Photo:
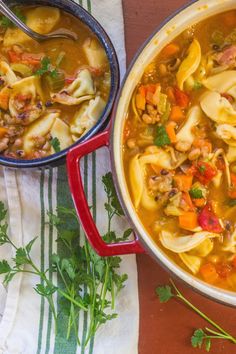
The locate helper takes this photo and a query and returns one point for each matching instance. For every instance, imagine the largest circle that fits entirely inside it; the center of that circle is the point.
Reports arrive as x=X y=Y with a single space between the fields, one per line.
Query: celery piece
x=55 y=83
x=22 y=69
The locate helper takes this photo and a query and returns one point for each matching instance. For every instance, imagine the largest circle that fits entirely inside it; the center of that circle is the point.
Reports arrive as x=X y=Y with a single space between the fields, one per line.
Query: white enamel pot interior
x=191 y=14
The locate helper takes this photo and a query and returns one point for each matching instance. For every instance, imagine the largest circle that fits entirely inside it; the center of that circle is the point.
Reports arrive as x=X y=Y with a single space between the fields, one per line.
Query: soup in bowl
x=180 y=150
x=173 y=150
x=55 y=93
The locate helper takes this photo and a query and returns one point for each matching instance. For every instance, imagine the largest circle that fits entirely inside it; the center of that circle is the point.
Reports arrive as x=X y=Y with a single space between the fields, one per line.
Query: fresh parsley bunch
x=88 y=282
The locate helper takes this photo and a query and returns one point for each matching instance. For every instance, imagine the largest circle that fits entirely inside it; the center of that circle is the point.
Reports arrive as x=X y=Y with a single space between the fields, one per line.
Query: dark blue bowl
x=85 y=17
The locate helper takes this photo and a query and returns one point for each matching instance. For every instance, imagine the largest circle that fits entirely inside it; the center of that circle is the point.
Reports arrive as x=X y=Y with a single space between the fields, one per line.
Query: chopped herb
x=164 y=293
x=232 y=202
x=200 y=336
x=196 y=193
x=47 y=68
x=5 y=22
x=162 y=138
x=55 y=143
x=202 y=169
x=197 y=85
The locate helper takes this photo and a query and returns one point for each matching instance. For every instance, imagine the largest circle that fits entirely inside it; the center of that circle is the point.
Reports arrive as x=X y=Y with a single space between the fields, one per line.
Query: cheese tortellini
x=82 y=89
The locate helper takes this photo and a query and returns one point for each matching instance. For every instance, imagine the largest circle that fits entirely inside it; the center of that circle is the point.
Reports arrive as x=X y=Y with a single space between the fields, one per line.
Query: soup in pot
x=179 y=150
x=53 y=92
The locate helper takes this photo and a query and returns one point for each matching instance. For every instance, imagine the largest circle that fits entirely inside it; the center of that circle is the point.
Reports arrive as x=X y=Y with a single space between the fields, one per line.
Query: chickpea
x=183 y=146
x=18 y=143
x=147 y=119
x=151 y=119
x=4 y=144
x=194 y=154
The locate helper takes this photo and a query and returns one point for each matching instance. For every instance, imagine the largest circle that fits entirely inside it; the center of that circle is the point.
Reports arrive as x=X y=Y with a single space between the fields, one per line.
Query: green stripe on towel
x=50 y=242
x=42 y=179
x=62 y=345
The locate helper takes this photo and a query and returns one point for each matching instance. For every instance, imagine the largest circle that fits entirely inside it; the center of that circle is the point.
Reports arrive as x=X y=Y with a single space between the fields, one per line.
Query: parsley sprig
x=162 y=137
x=200 y=337
x=6 y=23
x=46 y=67
x=87 y=282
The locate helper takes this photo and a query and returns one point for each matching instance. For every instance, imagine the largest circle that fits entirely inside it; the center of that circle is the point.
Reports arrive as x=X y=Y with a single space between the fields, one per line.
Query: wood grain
x=166 y=329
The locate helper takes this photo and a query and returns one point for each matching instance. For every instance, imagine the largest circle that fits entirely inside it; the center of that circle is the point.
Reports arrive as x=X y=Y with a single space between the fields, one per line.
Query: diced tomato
x=14 y=57
x=223 y=269
x=208 y=220
x=205 y=172
x=191 y=170
x=69 y=79
x=32 y=59
x=228 y=97
x=182 y=99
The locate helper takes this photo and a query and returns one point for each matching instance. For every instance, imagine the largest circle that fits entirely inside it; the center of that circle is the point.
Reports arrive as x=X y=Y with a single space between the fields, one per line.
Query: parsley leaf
x=47 y=68
x=4 y=267
x=164 y=293
x=162 y=138
x=197 y=338
x=5 y=22
x=196 y=193
x=202 y=169
x=113 y=204
x=55 y=143
x=197 y=85
x=232 y=202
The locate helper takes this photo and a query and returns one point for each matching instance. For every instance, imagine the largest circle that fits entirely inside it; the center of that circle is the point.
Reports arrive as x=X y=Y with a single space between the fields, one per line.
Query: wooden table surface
x=167 y=329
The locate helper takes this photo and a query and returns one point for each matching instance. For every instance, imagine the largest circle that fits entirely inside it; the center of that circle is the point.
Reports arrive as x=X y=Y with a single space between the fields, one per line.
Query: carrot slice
x=3 y=131
x=170 y=129
x=183 y=182
x=140 y=101
x=186 y=197
x=209 y=273
x=170 y=49
x=4 y=100
x=188 y=220
x=177 y=114
x=200 y=202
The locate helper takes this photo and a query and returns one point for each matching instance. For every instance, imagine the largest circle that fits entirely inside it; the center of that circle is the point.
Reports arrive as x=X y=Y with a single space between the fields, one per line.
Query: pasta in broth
x=180 y=150
x=51 y=93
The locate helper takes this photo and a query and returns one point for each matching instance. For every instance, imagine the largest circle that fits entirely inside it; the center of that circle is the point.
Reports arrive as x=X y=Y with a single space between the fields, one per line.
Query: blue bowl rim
x=85 y=17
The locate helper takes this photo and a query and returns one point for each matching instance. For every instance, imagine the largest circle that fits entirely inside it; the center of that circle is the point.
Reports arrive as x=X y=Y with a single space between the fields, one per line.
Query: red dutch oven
x=112 y=139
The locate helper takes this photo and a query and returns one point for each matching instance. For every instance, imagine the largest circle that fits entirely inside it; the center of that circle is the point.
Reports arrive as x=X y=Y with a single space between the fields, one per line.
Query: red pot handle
x=81 y=204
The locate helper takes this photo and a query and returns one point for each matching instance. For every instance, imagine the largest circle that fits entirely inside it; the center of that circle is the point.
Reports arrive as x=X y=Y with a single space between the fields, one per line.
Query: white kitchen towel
x=26 y=325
